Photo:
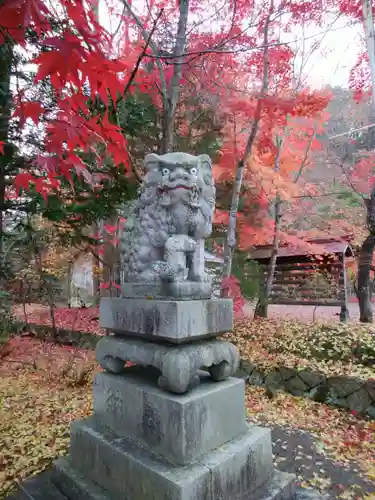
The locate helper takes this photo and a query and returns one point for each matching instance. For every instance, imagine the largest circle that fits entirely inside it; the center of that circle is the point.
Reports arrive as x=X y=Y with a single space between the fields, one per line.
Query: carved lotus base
x=179 y=365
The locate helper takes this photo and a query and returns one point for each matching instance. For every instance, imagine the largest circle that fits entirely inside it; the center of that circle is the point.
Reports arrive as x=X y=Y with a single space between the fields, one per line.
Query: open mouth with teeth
x=193 y=193
x=179 y=186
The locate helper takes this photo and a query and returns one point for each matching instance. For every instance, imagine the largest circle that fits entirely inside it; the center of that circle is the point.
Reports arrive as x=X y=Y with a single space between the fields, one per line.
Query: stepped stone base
x=143 y=443
x=123 y=470
x=41 y=487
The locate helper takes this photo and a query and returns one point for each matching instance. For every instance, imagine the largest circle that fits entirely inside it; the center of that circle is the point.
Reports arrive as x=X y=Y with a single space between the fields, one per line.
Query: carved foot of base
x=178 y=364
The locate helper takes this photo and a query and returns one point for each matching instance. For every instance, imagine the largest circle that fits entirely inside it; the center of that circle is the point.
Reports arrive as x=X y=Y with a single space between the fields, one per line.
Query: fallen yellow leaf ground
x=37 y=404
x=331 y=349
x=341 y=444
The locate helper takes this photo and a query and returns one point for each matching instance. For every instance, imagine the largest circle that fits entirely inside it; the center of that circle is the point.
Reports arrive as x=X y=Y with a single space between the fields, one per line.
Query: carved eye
x=193 y=171
x=165 y=171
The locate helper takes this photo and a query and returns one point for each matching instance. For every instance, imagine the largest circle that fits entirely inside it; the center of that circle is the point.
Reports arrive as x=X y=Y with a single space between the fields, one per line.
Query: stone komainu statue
x=164 y=239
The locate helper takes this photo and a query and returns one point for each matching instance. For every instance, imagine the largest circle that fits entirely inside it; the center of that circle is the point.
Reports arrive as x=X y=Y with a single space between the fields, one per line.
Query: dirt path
x=306 y=313
x=295 y=452
x=303 y=313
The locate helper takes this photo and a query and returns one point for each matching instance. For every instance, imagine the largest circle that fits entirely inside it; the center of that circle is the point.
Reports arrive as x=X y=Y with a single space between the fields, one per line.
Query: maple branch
x=304 y=161
x=348 y=178
x=168 y=58
x=141 y=56
x=305 y=55
x=152 y=46
x=119 y=24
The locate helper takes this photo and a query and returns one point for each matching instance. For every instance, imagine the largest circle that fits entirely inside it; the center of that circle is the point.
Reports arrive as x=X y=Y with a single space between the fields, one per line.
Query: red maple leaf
x=22 y=180
x=2 y=147
x=109 y=229
x=18 y=15
x=61 y=64
x=31 y=110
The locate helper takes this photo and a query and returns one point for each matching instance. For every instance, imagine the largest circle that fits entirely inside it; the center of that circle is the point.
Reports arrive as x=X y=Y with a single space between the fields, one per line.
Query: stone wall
x=343 y=391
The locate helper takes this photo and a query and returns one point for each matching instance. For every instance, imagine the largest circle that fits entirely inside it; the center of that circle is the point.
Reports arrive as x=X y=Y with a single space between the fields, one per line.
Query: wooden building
x=314 y=274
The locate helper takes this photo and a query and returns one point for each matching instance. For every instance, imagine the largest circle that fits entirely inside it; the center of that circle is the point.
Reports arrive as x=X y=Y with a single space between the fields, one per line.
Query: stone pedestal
x=172 y=427
x=165 y=429
x=144 y=443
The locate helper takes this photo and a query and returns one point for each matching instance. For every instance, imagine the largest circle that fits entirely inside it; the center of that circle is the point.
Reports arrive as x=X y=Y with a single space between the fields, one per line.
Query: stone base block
x=45 y=486
x=76 y=487
x=179 y=365
x=175 y=321
x=180 y=428
x=239 y=470
x=180 y=290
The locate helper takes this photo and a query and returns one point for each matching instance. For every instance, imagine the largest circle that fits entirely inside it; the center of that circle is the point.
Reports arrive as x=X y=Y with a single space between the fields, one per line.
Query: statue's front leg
x=176 y=249
x=196 y=263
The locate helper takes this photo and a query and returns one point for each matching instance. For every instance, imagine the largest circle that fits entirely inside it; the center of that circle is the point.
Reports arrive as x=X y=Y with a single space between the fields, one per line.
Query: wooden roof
x=322 y=246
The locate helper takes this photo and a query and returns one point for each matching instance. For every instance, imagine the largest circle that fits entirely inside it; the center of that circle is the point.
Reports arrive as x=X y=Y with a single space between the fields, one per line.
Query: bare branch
x=119 y=24
x=349 y=179
x=141 y=56
x=304 y=161
x=219 y=48
x=151 y=44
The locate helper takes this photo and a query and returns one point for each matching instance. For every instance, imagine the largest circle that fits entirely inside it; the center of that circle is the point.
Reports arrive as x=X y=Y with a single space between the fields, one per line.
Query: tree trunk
x=110 y=258
x=231 y=232
x=174 y=89
x=370 y=41
x=364 y=281
x=231 y=236
x=365 y=263
x=262 y=306
x=367 y=249
x=6 y=56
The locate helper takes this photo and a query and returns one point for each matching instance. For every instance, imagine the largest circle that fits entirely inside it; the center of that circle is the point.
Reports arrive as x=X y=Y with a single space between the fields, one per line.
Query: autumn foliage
x=74 y=59
x=83 y=60
x=238 y=73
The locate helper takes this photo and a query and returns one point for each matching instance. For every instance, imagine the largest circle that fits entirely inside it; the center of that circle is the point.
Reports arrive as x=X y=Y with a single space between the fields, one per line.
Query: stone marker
x=172 y=427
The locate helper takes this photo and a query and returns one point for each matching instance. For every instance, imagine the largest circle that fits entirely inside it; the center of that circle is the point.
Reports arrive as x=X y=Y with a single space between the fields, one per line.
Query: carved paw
x=221 y=371
x=178 y=386
x=178 y=372
x=198 y=278
x=112 y=365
